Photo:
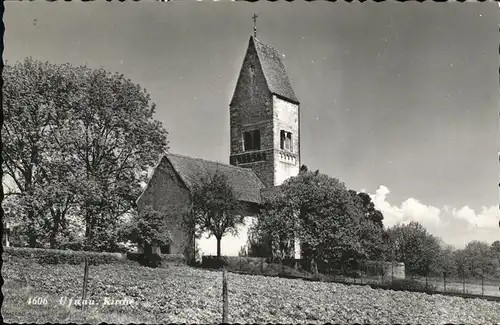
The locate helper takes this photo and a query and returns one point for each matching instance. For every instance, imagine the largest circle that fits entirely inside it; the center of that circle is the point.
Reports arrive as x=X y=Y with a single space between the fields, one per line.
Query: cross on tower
x=254 y=17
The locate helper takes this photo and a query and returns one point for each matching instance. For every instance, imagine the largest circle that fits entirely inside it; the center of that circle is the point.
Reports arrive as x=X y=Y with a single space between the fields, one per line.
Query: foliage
x=495 y=249
x=216 y=208
x=272 y=235
x=324 y=216
x=495 y=252
x=214 y=262
x=460 y=263
x=444 y=261
x=258 y=242
x=368 y=207
x=243 y=251
x=411 y=284
x=77 y=143
x=413 y=245
x=54 y=256
x=170 y=259
x=150 y=259
x=148 y=227
x=479 y=259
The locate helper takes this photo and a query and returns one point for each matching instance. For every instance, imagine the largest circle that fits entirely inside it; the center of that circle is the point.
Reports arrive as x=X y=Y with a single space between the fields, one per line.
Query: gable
x=164 y=188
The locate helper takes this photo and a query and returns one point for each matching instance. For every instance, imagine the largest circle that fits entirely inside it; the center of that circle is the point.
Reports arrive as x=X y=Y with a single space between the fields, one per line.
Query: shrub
x=134 y=256
x=411 y=285
x=175 y=259
x=214 y=262
x=150 y=260
x=55 y=256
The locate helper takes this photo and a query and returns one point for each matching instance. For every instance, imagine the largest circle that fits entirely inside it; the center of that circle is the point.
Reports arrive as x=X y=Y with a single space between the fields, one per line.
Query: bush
x=411 y=285
x=134 y=256
x=176 y=259
x=214 y=262
x=150 y=260
x=55 y=256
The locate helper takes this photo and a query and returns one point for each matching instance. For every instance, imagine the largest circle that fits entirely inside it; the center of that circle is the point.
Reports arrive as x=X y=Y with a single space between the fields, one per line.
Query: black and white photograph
x=219 y=162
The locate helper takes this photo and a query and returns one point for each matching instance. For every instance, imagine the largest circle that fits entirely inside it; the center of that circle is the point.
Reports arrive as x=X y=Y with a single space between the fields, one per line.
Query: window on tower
x=286 y=140
x=251 y=140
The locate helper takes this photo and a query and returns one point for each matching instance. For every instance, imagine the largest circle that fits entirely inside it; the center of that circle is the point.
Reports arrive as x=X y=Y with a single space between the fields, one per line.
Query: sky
x=399 y=100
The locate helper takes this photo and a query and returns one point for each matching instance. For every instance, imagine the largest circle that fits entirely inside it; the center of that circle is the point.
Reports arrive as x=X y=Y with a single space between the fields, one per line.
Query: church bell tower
x=264 y=117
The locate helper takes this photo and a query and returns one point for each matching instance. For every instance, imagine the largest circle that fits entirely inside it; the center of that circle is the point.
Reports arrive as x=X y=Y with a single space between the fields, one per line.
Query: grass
x=472 y=286
x=182 y=294
x=453 y=285
x=16 y=309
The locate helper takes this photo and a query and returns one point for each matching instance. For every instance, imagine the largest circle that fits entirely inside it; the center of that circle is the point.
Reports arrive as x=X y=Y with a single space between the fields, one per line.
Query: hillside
x=182 y=294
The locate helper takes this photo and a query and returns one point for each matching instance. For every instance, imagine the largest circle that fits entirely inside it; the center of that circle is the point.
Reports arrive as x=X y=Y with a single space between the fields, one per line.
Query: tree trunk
x=55 y=229
x=32 y=234
x=314 y=266
x=87 y=224
x=218 y=246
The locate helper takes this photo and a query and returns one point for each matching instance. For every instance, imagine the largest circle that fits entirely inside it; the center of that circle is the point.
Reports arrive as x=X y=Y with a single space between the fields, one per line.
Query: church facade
x=265 y=151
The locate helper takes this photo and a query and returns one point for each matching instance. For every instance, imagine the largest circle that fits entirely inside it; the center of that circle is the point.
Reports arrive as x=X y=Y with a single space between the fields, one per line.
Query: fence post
x=240 y=263
x=463 y=282
x=224 y=297
x=262 y=266
x=426 y=283
x=85 y=281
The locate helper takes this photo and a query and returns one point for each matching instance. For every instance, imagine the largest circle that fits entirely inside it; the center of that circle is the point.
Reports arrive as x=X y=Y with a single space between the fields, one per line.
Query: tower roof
x=274 y=70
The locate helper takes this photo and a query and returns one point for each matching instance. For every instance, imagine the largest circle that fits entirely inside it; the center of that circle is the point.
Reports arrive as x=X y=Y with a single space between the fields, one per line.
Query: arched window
x=286 y=140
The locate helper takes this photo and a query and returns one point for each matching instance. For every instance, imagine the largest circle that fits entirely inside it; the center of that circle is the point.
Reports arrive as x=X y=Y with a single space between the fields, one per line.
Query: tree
x=495 y=252
x=274 y=233
x=372 y=240
x=413 y=245
x=368 y=207
x=460 y=263
x=216 y=209
x=147 y=228
x=495 y=249
x=318 y=211
x=444 y=261
x=33 y=93
x=479 y=259
x=79 y=142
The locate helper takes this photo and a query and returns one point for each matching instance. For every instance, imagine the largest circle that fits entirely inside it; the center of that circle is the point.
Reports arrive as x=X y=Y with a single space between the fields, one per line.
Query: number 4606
x=37 y=301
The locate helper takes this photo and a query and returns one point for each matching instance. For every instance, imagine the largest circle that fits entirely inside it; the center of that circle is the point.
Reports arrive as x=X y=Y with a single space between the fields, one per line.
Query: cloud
x=454 y=226
x=487 y=218
x=409 y=210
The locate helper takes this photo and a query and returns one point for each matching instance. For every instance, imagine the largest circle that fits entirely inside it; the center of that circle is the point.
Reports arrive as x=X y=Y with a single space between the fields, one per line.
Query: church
x=265 y=151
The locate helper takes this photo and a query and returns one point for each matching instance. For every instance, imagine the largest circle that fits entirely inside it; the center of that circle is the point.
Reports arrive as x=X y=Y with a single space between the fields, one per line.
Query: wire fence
x=383 y=274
